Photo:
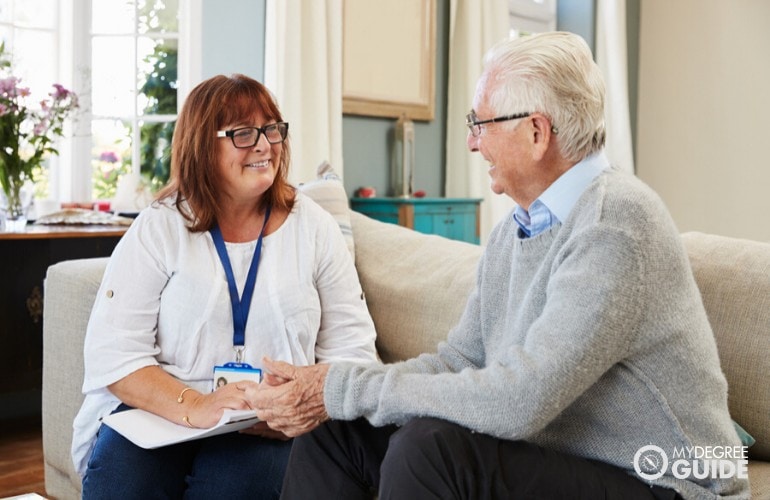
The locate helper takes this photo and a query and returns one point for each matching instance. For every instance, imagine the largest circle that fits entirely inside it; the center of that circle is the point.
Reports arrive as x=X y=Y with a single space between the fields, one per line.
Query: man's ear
x=543 y=135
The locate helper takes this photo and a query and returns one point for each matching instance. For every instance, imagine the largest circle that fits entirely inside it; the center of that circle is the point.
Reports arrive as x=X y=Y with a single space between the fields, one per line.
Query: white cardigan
x=164 y=301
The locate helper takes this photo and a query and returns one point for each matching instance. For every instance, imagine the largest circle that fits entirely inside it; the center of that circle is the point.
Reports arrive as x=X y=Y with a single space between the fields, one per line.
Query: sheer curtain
x=475 y=25
x=303 y=68
x=611 y=57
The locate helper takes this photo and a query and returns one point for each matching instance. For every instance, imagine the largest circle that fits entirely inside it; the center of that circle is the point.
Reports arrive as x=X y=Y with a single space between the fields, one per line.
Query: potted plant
x=27 y=135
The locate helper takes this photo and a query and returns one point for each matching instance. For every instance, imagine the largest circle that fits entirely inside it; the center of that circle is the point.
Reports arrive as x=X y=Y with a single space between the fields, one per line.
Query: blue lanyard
x=240 y=305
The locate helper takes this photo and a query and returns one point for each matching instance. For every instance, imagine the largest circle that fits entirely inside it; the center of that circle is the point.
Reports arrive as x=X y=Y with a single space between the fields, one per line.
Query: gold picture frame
x=389 y=58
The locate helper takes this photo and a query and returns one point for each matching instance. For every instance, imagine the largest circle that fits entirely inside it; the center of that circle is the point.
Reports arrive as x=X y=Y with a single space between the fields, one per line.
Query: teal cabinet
x=455 y=218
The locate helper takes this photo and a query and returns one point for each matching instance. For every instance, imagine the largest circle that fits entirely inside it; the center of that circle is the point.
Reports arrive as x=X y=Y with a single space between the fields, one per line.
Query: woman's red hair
x=213 y=104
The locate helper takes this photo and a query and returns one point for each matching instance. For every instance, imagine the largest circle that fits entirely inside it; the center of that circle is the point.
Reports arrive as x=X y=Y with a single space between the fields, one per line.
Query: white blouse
x=164 y=301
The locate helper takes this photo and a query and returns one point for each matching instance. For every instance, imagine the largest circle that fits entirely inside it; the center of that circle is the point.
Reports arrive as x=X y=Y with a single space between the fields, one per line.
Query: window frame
x=532 y=16
x=13 y=25
x=71 y=176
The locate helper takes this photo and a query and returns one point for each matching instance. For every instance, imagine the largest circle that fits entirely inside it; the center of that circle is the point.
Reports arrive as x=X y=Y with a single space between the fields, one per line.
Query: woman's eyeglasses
x=248 y=137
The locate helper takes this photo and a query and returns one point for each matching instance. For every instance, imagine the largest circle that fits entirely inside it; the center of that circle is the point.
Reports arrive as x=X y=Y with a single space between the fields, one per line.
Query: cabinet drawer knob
x=35 y=304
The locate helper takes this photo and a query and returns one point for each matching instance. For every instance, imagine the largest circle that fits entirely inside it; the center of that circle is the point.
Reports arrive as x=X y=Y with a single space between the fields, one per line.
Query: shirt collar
x=561 y=196
x=555 y=203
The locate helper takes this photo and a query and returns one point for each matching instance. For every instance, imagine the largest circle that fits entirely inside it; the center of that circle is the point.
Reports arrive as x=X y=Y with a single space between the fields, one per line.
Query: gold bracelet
x=186 y=420
x=180 y=399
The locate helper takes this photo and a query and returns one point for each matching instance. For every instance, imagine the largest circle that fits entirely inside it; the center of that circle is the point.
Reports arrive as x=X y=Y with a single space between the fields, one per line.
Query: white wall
x=704 y=112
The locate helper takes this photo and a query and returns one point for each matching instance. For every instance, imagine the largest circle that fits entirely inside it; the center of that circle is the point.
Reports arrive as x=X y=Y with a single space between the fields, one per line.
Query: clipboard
x=150 y=431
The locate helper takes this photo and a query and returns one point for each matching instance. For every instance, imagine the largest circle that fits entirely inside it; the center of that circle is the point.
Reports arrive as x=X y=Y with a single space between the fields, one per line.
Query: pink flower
x=108 y=156
x=40 y=127
x=59 y=93
x=28 y=132
x=8 y=86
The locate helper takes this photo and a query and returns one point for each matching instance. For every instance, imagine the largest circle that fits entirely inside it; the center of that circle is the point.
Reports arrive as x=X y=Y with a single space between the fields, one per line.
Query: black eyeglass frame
x=260 y=132
x=471 y=122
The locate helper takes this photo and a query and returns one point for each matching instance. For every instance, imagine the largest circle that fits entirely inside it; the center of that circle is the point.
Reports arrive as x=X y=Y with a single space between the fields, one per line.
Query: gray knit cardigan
x=590 y=338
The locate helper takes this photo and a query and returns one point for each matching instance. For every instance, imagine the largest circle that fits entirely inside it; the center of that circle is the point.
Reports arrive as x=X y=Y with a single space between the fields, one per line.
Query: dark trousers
x=430 y=458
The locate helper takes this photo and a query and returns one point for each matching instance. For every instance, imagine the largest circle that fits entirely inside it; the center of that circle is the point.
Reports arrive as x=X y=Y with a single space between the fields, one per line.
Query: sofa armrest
x=70 y=290
x=733 y=276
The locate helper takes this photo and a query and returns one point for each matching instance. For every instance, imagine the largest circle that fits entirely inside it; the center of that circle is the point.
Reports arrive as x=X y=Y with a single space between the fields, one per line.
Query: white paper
x=149 y=431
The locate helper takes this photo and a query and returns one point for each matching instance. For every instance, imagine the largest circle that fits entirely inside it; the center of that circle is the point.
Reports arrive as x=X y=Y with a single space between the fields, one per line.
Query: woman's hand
x=290 y=398
x=205 y=410
x=152 y=389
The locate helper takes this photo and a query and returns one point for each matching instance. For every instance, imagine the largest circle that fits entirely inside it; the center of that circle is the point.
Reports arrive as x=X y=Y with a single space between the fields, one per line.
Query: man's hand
x=290 y=398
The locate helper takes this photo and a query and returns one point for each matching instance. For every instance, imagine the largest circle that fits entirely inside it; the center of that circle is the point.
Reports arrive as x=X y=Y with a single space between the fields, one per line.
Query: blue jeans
x=228 y=466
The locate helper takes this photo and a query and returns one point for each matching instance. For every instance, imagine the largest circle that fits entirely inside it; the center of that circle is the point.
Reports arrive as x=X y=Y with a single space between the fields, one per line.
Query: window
x=134 y=51
x=531 y=16
x=120 y=56
x=26 y=24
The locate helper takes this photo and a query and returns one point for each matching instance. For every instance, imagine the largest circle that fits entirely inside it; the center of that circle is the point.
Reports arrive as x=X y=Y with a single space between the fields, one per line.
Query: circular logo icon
x=650 y=462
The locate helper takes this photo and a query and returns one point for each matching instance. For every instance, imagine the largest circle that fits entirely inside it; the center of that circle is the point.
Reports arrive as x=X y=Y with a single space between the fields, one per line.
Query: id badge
x=233 y=372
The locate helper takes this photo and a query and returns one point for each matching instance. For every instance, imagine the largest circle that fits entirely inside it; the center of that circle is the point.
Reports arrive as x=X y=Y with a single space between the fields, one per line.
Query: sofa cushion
x=328 y=191
x=759 y=479
x=733 y=276
x=420 y=294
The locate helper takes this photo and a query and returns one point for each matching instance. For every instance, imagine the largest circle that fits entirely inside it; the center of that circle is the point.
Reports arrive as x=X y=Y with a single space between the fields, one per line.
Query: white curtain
x=475 y=25
x=612 y=59
x=303 y=68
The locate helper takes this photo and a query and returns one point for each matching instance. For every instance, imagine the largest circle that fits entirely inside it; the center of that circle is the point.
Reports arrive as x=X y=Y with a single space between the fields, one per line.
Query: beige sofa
x=416 y=286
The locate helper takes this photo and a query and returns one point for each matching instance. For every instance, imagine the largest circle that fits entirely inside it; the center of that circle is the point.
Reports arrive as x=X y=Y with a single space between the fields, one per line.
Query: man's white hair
x=552 y=73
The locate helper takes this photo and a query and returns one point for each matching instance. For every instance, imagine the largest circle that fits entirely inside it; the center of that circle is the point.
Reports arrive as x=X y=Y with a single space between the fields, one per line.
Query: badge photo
x=234 y=372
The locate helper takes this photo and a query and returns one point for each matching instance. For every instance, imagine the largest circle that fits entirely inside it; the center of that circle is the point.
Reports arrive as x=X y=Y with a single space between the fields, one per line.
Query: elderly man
x=583 y=351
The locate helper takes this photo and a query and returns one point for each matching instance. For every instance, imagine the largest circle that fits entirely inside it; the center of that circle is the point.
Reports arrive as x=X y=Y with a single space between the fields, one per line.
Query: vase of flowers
x=27 y=135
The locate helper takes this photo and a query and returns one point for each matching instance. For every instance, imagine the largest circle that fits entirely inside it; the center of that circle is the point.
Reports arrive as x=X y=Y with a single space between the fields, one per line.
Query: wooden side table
x=455 y=218
x=24 y=259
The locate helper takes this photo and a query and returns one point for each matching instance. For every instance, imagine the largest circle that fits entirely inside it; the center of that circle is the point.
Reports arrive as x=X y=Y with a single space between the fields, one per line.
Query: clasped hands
x=290 y=398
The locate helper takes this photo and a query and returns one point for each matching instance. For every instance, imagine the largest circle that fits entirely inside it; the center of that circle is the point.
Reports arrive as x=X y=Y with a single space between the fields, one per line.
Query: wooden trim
x=406 y=215
x=374 y=55
x=34 y=232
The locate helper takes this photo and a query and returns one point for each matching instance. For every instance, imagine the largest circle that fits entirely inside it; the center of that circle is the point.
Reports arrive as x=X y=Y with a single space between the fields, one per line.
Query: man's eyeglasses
x=474 y=124
x=248 y=137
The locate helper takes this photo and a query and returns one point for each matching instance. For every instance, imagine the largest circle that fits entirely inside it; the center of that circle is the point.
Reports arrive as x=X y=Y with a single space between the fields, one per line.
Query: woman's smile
x=259 y=164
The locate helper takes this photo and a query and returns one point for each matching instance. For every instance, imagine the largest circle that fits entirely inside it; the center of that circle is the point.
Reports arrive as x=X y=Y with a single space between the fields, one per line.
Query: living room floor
x=21 y=458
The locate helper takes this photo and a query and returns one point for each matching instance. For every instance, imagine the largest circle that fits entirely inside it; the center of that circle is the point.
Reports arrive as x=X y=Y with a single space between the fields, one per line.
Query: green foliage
x=160 y=88
x=106 y=173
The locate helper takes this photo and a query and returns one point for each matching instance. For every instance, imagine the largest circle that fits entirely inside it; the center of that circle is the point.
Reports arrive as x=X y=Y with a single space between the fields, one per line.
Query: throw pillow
x=746 y=439
x=328 y=191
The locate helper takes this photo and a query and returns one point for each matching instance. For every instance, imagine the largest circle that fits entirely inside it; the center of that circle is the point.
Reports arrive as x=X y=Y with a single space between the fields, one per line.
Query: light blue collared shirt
x=556 y=202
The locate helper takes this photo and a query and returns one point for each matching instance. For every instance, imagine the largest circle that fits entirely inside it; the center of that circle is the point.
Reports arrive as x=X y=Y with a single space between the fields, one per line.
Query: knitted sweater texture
x=590 y=338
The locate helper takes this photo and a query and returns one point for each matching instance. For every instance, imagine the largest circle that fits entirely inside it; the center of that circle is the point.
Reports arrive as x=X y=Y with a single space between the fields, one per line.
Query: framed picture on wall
x=389 y=58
